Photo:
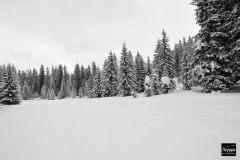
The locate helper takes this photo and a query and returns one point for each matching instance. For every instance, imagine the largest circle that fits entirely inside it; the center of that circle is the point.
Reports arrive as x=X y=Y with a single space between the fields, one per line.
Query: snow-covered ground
x=178 y=126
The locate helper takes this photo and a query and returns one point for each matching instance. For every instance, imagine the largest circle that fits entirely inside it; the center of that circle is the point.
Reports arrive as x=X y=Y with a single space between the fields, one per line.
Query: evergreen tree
x=163 y=59
x=76 y=78
x=232 y=26
x=140 y=73
x=87 y=73
x=126 y=75
x=44 y=92
x=3 y=79
x=52 y=80
x=50 y=94
x=59 y=78
x=82 y=80
x=178 y=50
x=80 y=94
x=87 y=76
x=47 y=78
x=26 y=91
x=9 y=89
x=186 y=72
x=41 y=78
x=62 y=93
x=211 y=55
x=73 y=92
x=29 y=80
x=148 y=67
x=110 y=76
x=89 y=86
x=186 y=62
x=36 y=95
x=94 y=68
x=35 y=82
x=97 y=90
x=65 y=85
x=133 y=69
x=106 y=90
x=2 y=70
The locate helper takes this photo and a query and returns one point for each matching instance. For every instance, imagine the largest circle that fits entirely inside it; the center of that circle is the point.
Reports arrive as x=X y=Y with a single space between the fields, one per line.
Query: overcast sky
x=50 y=32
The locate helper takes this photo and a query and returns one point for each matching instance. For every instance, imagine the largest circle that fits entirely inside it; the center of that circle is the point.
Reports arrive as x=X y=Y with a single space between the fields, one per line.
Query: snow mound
x=147 y=80
x=165 y=80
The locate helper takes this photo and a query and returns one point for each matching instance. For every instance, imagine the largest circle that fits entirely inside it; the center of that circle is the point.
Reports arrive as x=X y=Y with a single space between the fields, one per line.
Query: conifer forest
x=210 y=59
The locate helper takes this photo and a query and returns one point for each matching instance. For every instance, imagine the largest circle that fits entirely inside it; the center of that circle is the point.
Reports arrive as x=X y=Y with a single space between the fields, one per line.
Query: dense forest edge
x=211 y=59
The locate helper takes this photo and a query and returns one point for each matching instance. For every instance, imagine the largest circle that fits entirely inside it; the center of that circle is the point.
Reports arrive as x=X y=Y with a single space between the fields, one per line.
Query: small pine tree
x=73 y=92
x=97 y=90
x=44 y=92
x=36 y=95
x=50 y=94
x=26 y=91
x=65 y=90
x=89 y=87
x=47 y=78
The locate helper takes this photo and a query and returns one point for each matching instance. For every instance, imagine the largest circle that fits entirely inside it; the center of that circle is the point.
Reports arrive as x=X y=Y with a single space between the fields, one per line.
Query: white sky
x=49 y=32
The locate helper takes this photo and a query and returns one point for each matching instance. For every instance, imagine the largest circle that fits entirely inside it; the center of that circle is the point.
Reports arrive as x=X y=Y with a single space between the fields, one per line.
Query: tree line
x=117 y=77
x=210 y=59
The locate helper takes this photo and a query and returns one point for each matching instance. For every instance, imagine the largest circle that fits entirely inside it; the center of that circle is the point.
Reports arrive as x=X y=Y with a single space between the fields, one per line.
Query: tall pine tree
x=110 y=76
x=163 y=58
x=148 y=67
x=126 y=76
x=211 y=56
x=140 y=72
x=76 y=78
x=41 y=78
x=97 y=90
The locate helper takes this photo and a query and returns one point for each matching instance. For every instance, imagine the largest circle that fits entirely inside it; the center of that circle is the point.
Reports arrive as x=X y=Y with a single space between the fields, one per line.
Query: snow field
x=182 y=125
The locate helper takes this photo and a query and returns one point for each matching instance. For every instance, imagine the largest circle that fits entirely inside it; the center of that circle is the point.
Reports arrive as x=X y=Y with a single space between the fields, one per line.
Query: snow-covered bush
x=155 y=85
x=134 y=94
x=165 y=80
x=147 y=86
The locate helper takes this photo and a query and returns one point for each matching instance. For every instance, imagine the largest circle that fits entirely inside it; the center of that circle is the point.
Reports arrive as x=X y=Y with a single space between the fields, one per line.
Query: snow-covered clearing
x=182 y=125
